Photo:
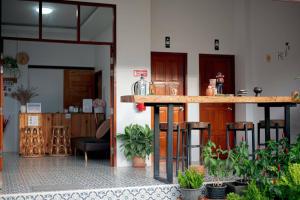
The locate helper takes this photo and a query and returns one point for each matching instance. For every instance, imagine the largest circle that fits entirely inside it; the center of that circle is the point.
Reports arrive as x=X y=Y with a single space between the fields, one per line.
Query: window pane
x=59 y=21
x=20 y=19
x=96 y=24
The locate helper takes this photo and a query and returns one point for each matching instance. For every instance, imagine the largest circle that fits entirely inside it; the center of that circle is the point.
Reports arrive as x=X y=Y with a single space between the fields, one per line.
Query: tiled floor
x=23 y=175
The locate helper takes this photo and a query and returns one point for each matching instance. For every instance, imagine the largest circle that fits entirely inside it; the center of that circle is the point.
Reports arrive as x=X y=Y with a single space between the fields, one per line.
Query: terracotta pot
x=210 y=91
x=138 y=162
x=199 y=168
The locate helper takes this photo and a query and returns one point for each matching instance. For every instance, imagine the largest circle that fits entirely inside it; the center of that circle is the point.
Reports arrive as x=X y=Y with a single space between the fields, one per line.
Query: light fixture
x=45 y=10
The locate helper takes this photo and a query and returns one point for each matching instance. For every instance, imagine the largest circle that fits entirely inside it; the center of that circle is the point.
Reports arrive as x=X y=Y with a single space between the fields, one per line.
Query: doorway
x=217 y=114
x=168 y=71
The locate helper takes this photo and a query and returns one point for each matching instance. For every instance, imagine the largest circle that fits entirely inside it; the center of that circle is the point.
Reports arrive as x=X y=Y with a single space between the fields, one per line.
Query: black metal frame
x=169 y=158
x=287 y=129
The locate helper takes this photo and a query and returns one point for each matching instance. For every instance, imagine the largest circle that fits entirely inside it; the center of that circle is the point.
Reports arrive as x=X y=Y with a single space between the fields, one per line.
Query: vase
x=23 y=109
x=210 y=91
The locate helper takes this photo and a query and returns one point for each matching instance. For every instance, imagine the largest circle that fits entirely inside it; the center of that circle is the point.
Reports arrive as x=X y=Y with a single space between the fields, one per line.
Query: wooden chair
x=274 y=124
x=60 y=144
x=33 y=142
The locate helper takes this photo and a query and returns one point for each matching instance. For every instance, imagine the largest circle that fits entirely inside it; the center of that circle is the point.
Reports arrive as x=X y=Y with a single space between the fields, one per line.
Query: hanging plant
x=10 y=62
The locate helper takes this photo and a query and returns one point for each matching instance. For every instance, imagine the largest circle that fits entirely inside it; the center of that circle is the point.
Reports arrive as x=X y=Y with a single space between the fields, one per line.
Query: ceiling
x=23 y=13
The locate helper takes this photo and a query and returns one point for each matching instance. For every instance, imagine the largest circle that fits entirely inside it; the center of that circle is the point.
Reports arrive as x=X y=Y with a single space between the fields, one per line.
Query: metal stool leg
x=253 y=144
x=277 y=131
x=188 y=149
x=201 y=147
x=258 y=134
x=183 y=149
x=234 y=137
x=178 y=150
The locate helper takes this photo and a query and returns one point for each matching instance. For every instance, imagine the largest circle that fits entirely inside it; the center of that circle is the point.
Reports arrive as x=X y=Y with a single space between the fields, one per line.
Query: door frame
x=113 y=58
x=218 y=55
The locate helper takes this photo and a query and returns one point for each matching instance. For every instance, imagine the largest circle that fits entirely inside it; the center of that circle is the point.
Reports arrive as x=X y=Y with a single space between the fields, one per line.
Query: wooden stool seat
x=164 y=126
x=198 y=125
x=60 y=141
x=274 y=124
x=201 y=126
x=33 y=142
x=241 y=126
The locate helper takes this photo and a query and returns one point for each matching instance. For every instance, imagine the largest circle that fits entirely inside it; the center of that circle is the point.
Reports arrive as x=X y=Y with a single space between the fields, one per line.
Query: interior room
x=128 y=99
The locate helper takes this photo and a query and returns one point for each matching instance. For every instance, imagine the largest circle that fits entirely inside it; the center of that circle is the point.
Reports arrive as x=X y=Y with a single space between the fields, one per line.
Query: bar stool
x=274 y=124
x=60 y=141
x=201 y=126
x=34 y=144
x=178 y=128
x=241 y=126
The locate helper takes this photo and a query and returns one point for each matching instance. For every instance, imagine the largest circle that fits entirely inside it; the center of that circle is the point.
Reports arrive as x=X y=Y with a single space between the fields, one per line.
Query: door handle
x=181 y=108
x=229 y=108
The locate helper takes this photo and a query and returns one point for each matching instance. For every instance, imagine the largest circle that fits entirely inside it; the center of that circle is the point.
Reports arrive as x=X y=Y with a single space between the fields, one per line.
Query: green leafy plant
x=137 y=141
x=243 y=166
x=233 y=196
x=10 y=62
x=190 y=179
x=23 y=95
x=294 y=153
x=217 y=167
x=289 y=183
x=252 y=193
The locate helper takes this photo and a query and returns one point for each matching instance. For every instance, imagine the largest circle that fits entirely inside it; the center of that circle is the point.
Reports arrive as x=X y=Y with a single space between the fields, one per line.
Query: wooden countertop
x=206 y=99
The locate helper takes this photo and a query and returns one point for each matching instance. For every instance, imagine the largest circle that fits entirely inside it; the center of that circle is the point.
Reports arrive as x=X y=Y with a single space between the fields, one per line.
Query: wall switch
x=167 y=42
x=217 y=44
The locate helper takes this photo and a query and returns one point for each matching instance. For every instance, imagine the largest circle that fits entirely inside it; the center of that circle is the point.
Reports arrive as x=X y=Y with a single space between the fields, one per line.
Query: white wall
x=193 y=25
x=249 y=29
x=49 y=85
x=102 y=60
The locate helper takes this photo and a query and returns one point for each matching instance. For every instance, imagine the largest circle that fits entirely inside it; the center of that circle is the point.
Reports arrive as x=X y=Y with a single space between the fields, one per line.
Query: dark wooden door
x=78 y=85
x=168 y=71
x=217 y=114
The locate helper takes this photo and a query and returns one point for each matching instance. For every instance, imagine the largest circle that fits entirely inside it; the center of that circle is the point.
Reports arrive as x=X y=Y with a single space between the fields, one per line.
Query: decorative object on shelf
x=190 y=182
x=140 y=87
x=34 y=107
x=11 y=68
x=136 y=142
x=23 y=95
x=173 y=86
x=242 y=93
x=22 y=58
x=210 y=91
x=258 y=91
x=8 y=85
x=296 y=95
x=212 y=83
x=87 y=106
x=99 y=105
x=220 y=82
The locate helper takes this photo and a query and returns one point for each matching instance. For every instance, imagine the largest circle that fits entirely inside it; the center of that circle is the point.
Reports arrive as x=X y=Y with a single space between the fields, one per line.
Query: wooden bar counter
x=172 y=101
x=80 y=125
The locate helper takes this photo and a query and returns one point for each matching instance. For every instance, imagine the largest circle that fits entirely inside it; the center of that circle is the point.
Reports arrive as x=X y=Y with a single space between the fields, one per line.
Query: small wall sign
x=33 y=120
x=34 y=107
x=140 y=72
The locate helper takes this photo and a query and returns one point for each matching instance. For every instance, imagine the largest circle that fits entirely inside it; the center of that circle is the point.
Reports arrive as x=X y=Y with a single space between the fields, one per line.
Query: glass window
x=96 y=24
x=20 y=19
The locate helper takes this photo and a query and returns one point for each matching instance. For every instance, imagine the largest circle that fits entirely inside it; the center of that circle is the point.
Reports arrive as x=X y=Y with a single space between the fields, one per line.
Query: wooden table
x=170 y=101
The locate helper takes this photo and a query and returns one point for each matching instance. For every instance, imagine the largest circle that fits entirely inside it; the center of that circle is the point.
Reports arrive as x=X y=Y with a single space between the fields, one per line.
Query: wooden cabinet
x=80 y=125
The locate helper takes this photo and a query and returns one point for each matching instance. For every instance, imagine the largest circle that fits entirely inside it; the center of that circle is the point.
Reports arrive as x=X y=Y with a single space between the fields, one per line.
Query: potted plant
x=243 y=167
x=289 y=183
x=23 y=95
x=218 y=168
x=190 y=182
x=137 y=143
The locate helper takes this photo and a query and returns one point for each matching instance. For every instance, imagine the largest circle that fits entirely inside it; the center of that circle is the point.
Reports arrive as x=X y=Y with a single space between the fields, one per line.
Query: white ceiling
x=23 y=13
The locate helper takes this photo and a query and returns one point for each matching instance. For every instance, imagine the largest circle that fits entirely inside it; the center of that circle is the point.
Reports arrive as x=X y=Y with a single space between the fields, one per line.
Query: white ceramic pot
x=23 y=109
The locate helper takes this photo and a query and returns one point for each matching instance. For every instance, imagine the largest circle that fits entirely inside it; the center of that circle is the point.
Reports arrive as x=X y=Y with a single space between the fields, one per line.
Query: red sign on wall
x=140 y=72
